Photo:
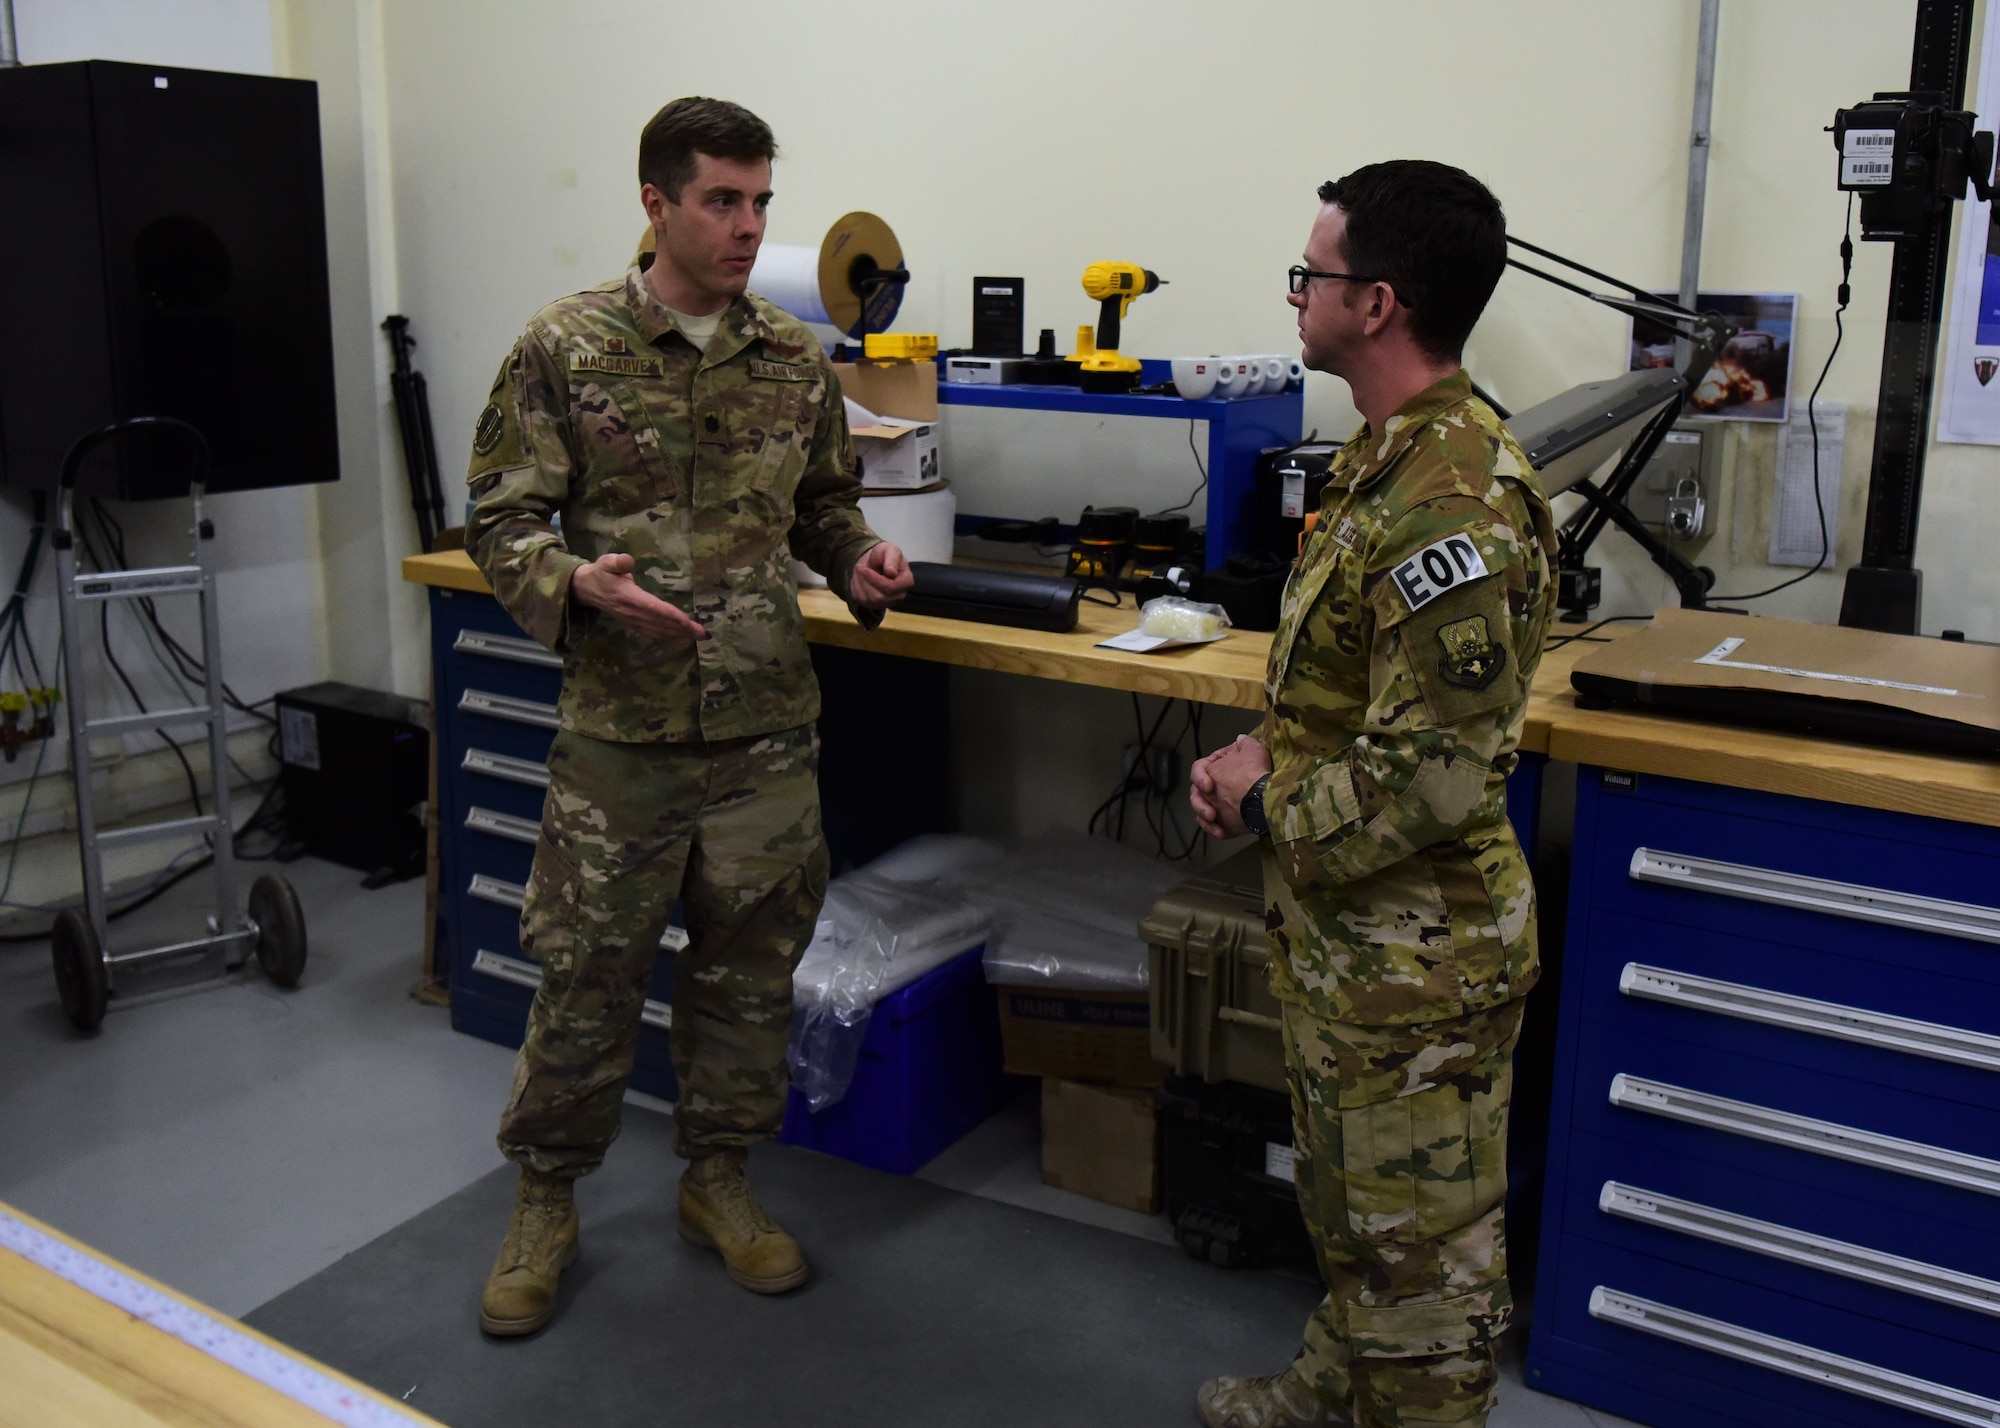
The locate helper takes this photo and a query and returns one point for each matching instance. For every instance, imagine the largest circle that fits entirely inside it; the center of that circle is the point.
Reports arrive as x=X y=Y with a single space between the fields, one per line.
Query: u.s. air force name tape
x=1440 y=566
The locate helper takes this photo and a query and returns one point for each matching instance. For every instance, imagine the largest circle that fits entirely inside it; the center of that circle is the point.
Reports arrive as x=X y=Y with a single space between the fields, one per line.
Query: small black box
x=998 y=308
x=356 y=773
x=1226 y=1169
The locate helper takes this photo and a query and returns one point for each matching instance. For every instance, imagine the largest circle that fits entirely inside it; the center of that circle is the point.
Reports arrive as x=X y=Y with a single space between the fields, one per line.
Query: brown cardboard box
x=1102 y=1142
x=1079 y=1036
x=902 y=452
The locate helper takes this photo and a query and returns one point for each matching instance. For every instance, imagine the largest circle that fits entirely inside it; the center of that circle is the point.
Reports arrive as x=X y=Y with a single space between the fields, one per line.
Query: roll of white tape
x=788 y=275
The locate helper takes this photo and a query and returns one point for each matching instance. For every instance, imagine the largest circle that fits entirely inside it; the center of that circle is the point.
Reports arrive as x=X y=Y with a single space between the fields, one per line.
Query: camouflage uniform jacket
x=1397 y=688
x=711 y=469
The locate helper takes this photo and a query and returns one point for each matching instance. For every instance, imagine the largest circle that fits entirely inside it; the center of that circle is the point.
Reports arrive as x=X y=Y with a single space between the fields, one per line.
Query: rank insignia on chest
x=1471 y=660
x=1346 y=533
x=614 y=344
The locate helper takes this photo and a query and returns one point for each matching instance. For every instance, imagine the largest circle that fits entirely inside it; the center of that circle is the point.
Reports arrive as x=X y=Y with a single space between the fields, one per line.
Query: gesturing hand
x=606 y=584
x=880 y=578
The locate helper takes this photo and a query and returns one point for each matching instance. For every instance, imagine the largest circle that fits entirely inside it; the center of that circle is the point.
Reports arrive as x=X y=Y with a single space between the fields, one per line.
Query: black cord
x=1202 y=484
x=1589 y=630
x=1842 y=294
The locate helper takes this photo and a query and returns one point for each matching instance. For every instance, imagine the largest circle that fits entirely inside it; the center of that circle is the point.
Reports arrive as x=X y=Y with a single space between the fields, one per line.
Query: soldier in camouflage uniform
x=1401 y=911
x=691 y=439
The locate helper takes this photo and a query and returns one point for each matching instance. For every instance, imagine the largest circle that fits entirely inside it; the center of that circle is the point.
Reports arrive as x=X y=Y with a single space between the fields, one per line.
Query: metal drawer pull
x=1265 y=1023
x=1863 y=1380
x=507 y=647
x=1850 y=900
x=488 y=888
x=1909 y=1276
x=506 y=706
x=527 y=974
x=504 y=766
x=1884 y=1152
x=503 y=825
x=1895 y=1033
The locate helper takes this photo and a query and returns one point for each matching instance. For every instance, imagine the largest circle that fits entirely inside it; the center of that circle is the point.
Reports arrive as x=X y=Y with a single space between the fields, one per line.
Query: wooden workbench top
x=1231 y=672
x=69 y=1357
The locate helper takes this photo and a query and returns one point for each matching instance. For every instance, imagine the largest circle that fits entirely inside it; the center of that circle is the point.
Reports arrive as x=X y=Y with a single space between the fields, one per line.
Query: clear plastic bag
x=1171 y=617
x=878 y=932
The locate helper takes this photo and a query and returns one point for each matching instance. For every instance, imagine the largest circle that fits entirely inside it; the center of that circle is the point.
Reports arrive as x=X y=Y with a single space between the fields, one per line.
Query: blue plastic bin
x=929 y=1071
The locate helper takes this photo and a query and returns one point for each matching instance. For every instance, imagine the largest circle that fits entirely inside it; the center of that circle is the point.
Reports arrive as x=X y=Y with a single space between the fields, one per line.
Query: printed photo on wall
x=1752 y=376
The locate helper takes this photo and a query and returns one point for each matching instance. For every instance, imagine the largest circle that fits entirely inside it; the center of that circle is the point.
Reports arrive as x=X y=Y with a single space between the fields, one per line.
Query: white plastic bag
x=1066 y=911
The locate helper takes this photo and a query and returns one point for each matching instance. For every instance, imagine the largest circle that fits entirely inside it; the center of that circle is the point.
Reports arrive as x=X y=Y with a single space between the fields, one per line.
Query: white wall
x=480 y=157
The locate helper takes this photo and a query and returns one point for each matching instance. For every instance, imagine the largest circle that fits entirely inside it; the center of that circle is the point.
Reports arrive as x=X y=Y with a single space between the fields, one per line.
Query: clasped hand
x=1217 y=783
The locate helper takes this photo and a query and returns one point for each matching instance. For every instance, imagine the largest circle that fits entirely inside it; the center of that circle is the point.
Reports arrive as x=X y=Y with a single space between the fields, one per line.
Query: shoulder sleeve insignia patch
x=486 y=434
x=1440 y=566
x=1470 y=660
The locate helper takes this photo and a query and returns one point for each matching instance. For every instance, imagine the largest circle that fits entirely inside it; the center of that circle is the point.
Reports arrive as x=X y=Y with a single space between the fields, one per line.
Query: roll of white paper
x=919 y=523
x=788 y=275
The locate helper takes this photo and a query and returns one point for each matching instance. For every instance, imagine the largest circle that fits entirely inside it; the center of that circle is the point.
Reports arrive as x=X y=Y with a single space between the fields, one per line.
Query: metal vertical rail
x=229 y=915
x=1698 y=149
x=79 y=732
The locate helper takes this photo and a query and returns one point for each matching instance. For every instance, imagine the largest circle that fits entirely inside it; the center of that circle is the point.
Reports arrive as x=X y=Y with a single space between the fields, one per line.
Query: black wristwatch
x=1252 y=808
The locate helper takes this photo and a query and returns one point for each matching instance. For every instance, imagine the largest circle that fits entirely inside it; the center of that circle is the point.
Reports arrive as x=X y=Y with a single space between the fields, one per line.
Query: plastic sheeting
x=1066 y=911
x=882 y=927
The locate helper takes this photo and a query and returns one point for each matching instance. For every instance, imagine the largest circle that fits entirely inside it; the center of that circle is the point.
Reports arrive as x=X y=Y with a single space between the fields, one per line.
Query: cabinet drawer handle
x=502 y=766
x=1829 y=1138
x=1705 y=1222
x=488 y=888
x=506 y=706
x=527 y=974
x=1731 y=1341
x=507 y=647
x=1850 y=900
x=1268 y=1023
x=1871 y=1028
x=503 y=825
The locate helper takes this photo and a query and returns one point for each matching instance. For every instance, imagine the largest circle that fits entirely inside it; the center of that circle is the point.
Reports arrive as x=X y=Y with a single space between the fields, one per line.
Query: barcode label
x=1865 y=171
x=1868 y=141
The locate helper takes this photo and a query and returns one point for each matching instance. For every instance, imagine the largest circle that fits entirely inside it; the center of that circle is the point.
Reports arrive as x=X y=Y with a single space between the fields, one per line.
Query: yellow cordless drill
x=1114 y=285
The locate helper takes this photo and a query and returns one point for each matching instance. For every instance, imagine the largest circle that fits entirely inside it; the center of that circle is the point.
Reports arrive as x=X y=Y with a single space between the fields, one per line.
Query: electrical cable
x=1202 y=484
x=1842 y=294
x=1589 y=630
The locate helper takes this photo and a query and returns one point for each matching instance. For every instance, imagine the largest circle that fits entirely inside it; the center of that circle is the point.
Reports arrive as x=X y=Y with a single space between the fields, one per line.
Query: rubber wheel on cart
x=281 y=929
x=80 y=974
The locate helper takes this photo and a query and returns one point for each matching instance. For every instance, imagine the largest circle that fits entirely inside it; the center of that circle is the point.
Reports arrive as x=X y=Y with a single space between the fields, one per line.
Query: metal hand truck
x=274 y=926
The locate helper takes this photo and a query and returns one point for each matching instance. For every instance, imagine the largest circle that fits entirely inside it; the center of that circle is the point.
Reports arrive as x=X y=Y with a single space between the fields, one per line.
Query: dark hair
x=672 y=137
x=1434 y=233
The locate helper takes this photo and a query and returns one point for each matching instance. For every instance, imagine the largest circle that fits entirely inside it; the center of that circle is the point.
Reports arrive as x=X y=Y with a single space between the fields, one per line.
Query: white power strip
x=215 y=1336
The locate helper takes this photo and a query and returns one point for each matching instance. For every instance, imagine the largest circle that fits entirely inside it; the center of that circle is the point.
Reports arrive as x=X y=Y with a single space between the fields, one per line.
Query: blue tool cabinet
x=1774 y=1163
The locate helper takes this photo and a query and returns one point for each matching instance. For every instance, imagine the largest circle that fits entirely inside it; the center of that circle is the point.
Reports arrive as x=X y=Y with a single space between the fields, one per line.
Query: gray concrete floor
x=232 y=1139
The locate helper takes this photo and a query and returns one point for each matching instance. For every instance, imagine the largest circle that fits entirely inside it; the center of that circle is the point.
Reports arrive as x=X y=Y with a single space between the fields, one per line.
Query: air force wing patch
x=1470 y=660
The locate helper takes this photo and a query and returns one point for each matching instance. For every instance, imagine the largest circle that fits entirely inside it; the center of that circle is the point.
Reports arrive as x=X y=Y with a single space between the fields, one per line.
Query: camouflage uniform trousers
x=733 y=829
x=1402 y=1174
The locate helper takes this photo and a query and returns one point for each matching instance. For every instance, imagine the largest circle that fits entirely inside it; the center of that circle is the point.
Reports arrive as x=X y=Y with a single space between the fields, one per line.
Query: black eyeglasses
x=1299 y=275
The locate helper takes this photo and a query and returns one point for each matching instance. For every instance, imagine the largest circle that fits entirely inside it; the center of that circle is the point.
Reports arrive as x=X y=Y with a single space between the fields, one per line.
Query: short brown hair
x=686 y=127
x=1435 y=233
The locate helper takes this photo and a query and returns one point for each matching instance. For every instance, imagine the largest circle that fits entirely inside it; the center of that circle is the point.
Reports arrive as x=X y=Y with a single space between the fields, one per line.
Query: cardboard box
x=1101 y=1142
x=1103 y=1037
x=898 y=452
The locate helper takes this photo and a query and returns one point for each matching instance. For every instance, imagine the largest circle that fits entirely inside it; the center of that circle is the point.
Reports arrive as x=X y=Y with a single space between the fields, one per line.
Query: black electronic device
x=993 y=597
x=355 y=767
x=1250 y=587
x=1289 y=483
x=998 y=316
x=1103 y=544
x=164 y=253
x=1048 y=367
x=1163 y=541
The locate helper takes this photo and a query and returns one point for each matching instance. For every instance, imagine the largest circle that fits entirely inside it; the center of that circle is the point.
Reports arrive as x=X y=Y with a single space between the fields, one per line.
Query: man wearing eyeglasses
x=1401 y=910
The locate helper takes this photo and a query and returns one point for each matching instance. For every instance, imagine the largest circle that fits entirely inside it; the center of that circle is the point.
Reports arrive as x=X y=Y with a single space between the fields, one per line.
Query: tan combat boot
x=541 y=1243
x=719 y=1212
x=1273 y=1400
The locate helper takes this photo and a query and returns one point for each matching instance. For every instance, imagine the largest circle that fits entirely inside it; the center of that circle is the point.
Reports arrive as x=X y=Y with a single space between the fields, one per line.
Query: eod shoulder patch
x=492 y=425
x=1440 y=566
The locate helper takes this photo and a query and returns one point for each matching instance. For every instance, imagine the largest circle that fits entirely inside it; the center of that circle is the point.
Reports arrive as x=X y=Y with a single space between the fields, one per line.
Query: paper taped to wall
x=1795 y=515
